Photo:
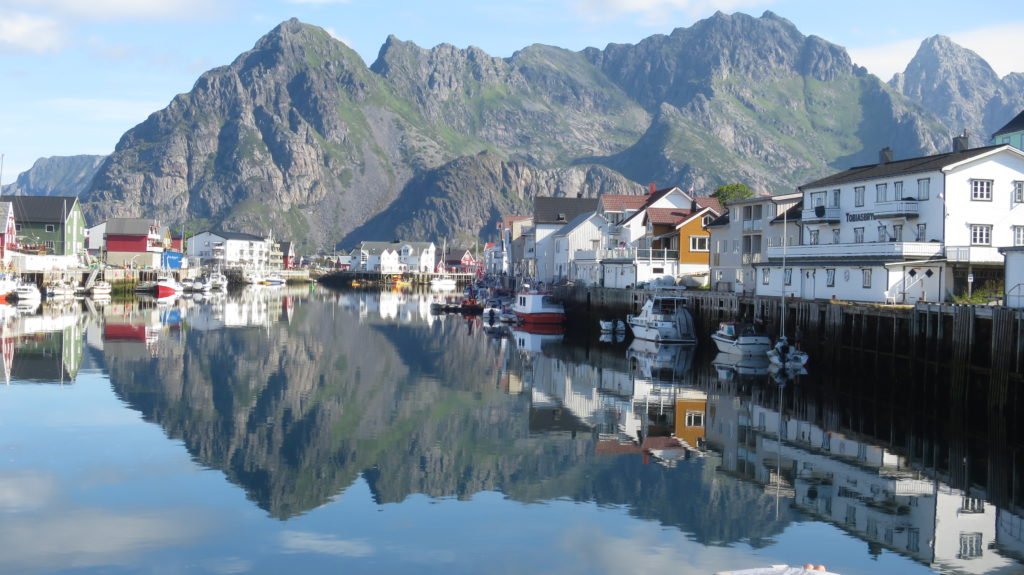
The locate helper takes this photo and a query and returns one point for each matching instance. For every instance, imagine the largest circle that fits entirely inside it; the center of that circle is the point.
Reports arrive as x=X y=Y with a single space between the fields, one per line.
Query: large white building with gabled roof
x=903 y=231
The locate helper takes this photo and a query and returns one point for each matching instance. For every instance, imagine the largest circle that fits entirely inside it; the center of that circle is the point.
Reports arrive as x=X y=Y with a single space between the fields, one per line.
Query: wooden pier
x=982 y=336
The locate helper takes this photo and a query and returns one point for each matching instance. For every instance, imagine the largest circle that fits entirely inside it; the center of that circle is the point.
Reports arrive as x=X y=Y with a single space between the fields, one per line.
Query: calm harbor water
x=308 y=430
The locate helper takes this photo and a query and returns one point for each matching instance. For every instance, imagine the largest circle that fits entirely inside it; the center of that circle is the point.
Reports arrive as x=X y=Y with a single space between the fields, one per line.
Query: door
x=807 y=284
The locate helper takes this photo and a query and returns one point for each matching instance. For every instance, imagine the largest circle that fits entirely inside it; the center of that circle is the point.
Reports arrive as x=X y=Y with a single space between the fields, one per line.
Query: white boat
x=8 y=283
x=533 y=307
x=443 y=283
x=202 y=284
x=59 y=289
x=741 y=339
x=252 y=277
x=730 y=366
x=27 y=292
x=273 y=279
x=609 y=326
x=101 y=287
x=664 y=318
x=186 y=284
x=662 y=362
x=145 y=287
x=218 y=281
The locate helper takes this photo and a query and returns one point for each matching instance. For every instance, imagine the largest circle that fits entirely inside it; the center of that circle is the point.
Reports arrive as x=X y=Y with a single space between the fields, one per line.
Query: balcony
x=887 y=250
x=974 y=254
x=821 y=214
x=640 y=254
x=896 y=210
x=753 y=225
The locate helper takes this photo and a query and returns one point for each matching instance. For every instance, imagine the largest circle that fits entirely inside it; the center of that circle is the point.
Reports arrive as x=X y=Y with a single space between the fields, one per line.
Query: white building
x=740 y=239
x=586 y=232
x=394 y=257
x=231 y=249
x=1013 y=295
x=921 y=229
x=549 y=216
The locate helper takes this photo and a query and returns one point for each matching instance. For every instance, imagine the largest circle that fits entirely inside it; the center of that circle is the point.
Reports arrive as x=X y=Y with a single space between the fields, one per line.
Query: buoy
x=808 y=567
x=820 y=568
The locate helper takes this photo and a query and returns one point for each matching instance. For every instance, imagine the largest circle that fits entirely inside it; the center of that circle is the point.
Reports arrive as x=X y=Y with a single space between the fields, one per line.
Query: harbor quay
x=986 y=337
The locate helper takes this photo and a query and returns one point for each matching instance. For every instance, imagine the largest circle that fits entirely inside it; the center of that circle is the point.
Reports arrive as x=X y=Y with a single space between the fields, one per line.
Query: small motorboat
x=783 y=354
x=741 y=339
x=28 y=292
x=101 y=287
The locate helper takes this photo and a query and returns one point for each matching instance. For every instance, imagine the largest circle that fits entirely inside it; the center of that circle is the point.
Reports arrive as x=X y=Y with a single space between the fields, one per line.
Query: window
x=897 y=232
x=858 y=196
x=765 y=275
x=17 y=227
x=835 y=198
x=883 y=235
x=788 y=275
x=913 y=540
x=655 y=270
x=970 y=546
x=866 y=277
x=981 y=190
x=830 y=277
x=851 y=514
x=818 y=199
x=921 y=232
x=858 y=235
x=698 y=243
x=1018 y=235
x=51 y=228
x=897 y=191
x=48 y=244
x=735 y=246
x=880 y=193
x=835 y=236
x=981 y=235
x=1018 y=192
x=923 y=186
x=694 y=419
x=706 y=220
x=814 y=237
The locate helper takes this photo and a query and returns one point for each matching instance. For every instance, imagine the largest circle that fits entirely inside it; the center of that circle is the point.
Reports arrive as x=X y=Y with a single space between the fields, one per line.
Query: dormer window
x=561 y=217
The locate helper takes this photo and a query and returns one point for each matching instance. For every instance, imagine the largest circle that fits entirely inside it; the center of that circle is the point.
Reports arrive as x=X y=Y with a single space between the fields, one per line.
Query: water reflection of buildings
x=854 y=483
x=629 y=402
x=44 y=347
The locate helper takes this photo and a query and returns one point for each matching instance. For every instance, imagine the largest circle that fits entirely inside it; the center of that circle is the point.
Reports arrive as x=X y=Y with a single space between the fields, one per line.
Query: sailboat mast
x=785 y=243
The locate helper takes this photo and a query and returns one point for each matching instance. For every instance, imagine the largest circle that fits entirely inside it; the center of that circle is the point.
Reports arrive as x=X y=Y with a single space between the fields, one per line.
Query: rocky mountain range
x=299 y=137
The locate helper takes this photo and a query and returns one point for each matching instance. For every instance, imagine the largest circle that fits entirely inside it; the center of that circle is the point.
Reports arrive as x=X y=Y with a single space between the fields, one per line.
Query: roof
x=130 y=226
x=547 y=210
x=1014 y=125
x=42 y=209
x=667 y=216
x=899 y=167
x=285 y=247
x=621 y=202
x=722 y=220
x=651 y=198
x=794 y=213
x=576 y=222
x=709 y=202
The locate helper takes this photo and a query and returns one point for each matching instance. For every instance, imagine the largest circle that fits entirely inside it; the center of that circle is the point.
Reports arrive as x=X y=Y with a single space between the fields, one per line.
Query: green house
x=51 y=225
x=1012 y=133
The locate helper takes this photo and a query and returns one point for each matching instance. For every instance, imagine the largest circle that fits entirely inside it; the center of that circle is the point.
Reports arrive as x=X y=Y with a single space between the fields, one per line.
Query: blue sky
x=78 y=73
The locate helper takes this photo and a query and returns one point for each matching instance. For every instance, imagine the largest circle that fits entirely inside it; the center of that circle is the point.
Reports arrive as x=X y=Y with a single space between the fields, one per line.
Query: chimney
x=579 y=195
x=960 y=142
x=885 y=155
x=650 y=189
x=693 y=206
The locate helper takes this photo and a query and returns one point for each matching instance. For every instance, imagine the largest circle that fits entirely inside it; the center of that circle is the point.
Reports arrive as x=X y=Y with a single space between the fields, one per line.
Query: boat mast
x=785 y=237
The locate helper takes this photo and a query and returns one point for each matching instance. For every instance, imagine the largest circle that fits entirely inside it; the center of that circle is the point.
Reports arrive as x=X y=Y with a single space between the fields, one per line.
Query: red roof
x=622 y=202
x=709 y=202
x=667 y=216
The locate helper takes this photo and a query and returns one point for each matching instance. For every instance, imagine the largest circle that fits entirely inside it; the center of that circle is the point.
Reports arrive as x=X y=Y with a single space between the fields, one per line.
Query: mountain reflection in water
x=299 y=395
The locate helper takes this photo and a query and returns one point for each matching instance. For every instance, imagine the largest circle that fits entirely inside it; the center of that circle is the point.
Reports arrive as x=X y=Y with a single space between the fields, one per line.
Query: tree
x=732 y=192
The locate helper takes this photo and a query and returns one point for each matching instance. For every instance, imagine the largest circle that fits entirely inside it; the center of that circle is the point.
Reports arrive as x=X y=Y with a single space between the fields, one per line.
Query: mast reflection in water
x=294 y=429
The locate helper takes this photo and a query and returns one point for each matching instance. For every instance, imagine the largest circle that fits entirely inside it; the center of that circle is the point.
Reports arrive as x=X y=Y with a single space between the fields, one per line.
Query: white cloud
x=88 y=538
x=990 y=43
x=27 y=33
x=306 y=542
x=334 y=34
x=656 y=12
x=994 y=44
x=20 y=491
